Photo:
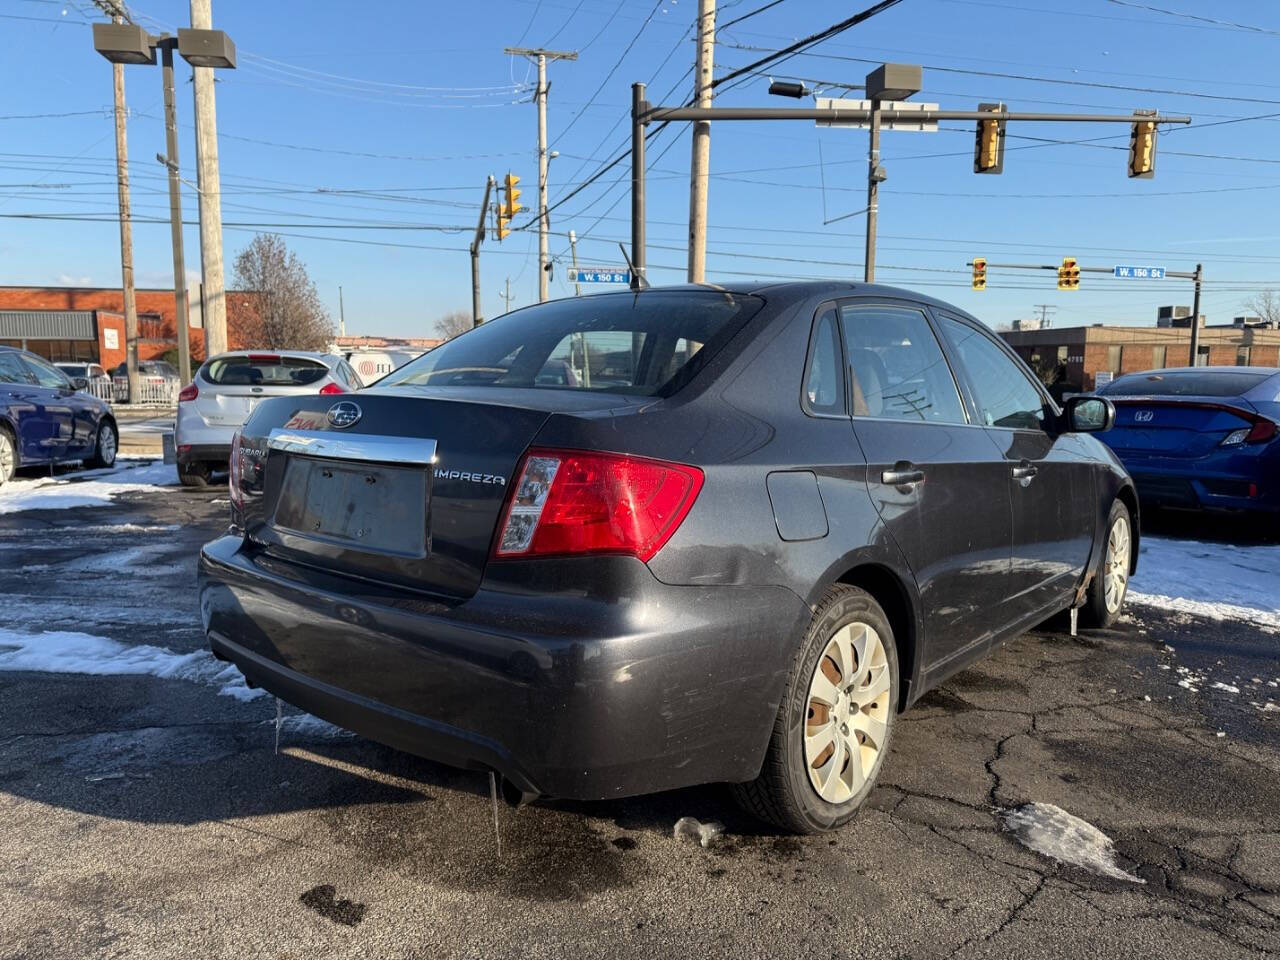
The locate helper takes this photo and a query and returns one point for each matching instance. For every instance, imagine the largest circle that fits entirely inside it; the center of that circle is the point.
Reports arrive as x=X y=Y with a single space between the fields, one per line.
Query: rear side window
x=896 y=368
x=12 y=370
x=1229 y=383
x=647 y=344
x=824 y=378
x=1006 y=396
x=264 y=370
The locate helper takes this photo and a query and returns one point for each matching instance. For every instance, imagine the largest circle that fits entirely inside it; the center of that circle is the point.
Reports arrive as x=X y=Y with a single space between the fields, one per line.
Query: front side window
x=824 y=380
x=646 y=344
x=896 y=368
x=47 y=375
x=1006 y=396
x=12 y=370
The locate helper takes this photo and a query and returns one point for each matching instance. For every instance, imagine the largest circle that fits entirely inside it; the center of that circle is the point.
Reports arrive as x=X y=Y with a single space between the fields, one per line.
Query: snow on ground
x=68 y=652
x=1052 y=832
x=90 y=488
x=1215 y=580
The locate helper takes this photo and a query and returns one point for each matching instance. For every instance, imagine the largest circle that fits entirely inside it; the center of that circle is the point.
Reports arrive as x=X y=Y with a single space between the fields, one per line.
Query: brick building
x=1078 y=354
x=87 y=323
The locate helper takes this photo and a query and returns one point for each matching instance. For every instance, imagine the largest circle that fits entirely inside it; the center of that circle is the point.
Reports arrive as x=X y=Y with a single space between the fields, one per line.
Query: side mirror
x=80 y=383
x=1090 y=414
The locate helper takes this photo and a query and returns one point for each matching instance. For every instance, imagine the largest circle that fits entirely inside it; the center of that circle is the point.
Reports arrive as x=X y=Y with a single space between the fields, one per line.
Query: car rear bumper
x=583 y=679
x=203 y=453
x=1201 y=489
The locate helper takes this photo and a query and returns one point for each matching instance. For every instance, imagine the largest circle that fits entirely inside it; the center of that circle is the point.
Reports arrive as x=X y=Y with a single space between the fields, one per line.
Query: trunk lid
x=365 y=500
x=1181 y=428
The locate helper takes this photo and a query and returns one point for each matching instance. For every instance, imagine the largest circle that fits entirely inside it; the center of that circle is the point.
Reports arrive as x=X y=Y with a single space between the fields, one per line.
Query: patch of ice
x=1271 y=707
x=1052 y=832
x=62 y=493
x=307 y=725
x=1219 y=685
x=1214 y=580
x=68 y=652
x=705 y=833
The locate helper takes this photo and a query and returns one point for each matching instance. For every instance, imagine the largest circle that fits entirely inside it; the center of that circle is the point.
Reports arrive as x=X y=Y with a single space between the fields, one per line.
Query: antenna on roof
x=638 y=280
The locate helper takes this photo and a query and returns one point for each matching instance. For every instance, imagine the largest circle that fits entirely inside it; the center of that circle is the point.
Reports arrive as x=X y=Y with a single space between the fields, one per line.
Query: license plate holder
x=369 y=507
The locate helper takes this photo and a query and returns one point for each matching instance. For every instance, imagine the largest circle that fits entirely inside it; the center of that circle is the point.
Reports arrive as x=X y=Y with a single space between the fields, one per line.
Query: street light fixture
x=131 y=44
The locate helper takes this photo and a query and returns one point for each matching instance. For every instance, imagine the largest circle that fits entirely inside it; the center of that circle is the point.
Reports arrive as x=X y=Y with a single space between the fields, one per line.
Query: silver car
x=227 y=387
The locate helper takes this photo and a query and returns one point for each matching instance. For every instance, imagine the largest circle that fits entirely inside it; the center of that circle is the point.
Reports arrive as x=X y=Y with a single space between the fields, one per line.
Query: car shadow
x=1242 y=529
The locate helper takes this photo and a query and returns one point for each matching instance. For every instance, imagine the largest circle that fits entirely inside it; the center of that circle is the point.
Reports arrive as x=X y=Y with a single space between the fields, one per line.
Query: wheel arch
x=1129 y=497
x=896 y=596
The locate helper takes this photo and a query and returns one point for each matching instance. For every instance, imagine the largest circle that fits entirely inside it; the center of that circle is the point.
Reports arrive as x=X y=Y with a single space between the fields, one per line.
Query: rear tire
x=195 y=474
x=8 y=455
x=824 y=756
x=104 y=449
x=1110 y=584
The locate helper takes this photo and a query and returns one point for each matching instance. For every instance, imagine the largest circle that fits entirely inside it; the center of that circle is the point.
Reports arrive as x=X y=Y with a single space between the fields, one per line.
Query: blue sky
x=405 y=107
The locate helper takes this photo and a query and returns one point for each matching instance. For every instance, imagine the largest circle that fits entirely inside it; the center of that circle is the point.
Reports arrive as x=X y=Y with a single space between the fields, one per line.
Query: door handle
x=1025 y=472
x=902 y=475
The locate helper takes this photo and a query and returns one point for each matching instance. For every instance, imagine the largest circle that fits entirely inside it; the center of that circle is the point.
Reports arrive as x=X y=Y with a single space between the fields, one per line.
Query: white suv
x=227 y=387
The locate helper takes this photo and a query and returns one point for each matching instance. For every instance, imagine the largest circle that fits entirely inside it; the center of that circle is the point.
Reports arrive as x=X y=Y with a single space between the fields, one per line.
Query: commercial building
x=1074 y=359
x=87 y=323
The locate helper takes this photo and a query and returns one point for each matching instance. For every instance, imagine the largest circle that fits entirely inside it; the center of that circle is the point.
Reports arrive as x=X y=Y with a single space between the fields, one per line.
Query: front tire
x=1110 y=584
x=8 y=456
x=108 y=443
x=835 y=721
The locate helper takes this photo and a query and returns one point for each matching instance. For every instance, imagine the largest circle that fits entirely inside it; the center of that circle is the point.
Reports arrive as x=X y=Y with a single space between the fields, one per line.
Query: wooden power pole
x=700 y=162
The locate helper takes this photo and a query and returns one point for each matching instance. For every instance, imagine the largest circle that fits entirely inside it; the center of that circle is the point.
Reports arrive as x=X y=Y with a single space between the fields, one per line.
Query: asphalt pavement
x=143 y=816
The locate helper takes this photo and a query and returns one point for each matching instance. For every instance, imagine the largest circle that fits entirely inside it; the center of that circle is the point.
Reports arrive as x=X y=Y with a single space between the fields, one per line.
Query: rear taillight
x=188 y=393
x=331 y=388
x=235 y=474
x=1261 y=431
x=579 y=502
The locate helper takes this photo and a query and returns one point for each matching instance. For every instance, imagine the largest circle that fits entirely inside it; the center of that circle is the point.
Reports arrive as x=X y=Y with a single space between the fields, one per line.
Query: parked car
x=89 y=377
x=158 y=382
x=43 y=419
x=808 y=504
x=1200 y=437
x=225 y=390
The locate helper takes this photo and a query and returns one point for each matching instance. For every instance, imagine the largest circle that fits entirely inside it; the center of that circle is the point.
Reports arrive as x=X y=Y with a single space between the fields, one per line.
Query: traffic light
x=979 y=273
x=504 y=222
x=1142 y=150
x=1069 y=274
x=988 y=148
x=511 y=202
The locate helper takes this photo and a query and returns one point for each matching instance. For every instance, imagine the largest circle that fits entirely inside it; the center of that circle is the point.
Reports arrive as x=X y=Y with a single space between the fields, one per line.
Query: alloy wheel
x=107 y=445
x=848 y=713
x=1115 y=569
x=8 y=460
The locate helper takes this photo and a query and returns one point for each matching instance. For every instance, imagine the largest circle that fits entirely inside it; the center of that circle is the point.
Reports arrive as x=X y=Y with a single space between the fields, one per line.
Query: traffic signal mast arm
x=888 y=115
x=1055 y=267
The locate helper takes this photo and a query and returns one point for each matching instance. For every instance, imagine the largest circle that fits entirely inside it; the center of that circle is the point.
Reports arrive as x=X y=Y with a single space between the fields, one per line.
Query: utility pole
x=1046 y=314
x=1195 y=316
x=506 y=297
x=342 y=314
x=477 y=315
x=126 y=233
x=182 y=315
x=700 y=161
x=639 y=109
x=540 y=98
x=210 y=193
x=573 y=246
x=875 y=175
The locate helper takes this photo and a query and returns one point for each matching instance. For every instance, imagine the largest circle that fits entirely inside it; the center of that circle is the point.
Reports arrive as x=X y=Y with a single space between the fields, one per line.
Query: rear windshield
x=266 y=370
x=646 y=344
x=1226 y=383
x=72 y=369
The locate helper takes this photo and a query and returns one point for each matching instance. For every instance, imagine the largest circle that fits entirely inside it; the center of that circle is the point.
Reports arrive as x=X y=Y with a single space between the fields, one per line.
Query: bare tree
x=1266 y=304
x=453 y=323
x=286 y=309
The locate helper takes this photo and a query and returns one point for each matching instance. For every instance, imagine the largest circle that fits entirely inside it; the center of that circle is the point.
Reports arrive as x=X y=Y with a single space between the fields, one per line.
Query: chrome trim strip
x=409 y=451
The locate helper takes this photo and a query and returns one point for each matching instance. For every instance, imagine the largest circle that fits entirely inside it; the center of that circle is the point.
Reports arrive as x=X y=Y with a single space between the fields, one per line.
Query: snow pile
x=1215 y=580
x=94 y=488
x=67 y=652
x=1052 y=832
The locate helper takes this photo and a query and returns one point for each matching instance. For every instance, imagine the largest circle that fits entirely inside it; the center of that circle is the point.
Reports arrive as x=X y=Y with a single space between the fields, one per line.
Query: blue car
x=1200 y=437
x=43 y=419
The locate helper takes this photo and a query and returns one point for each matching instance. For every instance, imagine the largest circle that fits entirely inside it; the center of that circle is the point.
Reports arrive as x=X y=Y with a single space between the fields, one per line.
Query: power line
x=1191 y=16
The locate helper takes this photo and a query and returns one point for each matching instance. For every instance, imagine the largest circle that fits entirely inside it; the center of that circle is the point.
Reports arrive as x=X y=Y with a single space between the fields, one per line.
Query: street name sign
x=1139 y=273
x=602 y=275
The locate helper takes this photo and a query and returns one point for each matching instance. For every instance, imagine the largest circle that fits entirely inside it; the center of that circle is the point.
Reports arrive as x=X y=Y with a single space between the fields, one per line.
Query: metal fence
x=151 y=390
x=102 y=389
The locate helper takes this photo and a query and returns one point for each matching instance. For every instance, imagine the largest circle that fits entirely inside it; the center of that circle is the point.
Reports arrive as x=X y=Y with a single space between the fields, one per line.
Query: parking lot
x=147 y=812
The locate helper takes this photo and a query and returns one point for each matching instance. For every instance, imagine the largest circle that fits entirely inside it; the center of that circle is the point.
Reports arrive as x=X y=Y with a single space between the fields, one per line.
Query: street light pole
x=182 y=317
x=875 y=173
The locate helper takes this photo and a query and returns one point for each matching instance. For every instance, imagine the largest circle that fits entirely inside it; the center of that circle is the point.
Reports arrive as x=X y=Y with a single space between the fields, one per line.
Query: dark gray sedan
x=735 y=536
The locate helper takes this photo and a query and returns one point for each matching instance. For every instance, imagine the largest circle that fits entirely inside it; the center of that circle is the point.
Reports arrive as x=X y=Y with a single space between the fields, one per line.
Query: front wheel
x=1111 y=578
x=8 y=456
x=835 y=721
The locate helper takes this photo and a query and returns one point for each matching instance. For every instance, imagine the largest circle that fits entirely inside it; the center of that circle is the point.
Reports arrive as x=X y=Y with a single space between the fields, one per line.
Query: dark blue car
x=43 y=419
x=1200 y=436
